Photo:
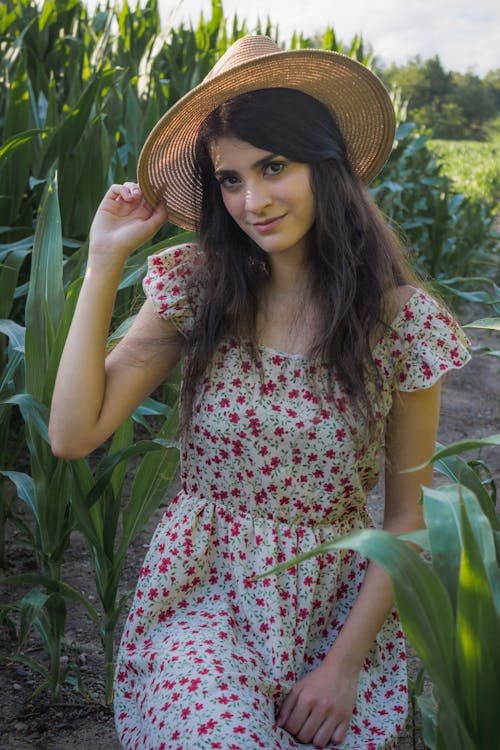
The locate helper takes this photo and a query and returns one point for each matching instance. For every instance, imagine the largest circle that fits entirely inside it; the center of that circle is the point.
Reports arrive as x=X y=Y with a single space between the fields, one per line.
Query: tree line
x=453 y=105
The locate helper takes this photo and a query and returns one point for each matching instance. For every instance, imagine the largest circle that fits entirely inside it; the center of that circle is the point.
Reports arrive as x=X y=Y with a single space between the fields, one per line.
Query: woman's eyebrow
x=264 y=161
x=223 y=173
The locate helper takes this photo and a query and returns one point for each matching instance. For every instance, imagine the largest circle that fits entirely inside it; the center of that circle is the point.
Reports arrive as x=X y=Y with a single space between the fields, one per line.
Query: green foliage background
x=455 y=105
x=79 y=94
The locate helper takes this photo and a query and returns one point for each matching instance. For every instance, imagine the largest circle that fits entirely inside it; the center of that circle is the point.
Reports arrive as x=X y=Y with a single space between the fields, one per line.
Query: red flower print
x=274 y=461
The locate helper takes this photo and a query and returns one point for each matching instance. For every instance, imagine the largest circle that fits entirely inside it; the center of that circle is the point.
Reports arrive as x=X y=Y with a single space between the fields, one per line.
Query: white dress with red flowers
x=274 y=463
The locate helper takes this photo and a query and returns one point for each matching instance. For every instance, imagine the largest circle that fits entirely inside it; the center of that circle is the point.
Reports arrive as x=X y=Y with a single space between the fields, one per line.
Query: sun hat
x=360 y=103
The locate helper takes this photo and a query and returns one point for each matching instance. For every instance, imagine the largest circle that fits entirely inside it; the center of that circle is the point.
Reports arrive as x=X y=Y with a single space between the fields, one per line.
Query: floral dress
x=273 y=464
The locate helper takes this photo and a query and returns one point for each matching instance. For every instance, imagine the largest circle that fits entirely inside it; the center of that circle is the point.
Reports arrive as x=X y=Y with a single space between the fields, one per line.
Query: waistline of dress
x=352 y=520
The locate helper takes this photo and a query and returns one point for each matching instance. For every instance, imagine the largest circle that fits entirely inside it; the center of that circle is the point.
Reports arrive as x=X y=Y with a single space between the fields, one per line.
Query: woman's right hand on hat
x=124 y=221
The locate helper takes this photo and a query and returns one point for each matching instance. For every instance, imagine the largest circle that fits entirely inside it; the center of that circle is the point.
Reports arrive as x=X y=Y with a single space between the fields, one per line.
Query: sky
x=464 y=33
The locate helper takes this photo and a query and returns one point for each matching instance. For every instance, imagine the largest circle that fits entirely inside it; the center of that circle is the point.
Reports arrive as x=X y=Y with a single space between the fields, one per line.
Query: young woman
x=308 y=353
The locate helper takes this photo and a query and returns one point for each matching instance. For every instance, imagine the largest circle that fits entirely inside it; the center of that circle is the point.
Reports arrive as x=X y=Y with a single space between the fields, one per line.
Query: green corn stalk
x=488 y=295
x=63 y=494
x=98 y=506
x=450 y=235
x=473 y=166
x=450 y=612
x=450 y=609
x=14 y=176
x=11 y=376
x=489 y=324
x=12 y=368
x=44 y=490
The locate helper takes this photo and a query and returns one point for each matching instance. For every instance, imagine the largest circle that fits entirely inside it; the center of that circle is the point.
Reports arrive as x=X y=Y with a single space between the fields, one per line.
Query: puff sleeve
x=431 y=343
x=165 y=284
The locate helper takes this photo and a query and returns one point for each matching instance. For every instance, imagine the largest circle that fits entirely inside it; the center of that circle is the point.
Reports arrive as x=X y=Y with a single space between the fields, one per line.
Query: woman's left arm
x=319 y=707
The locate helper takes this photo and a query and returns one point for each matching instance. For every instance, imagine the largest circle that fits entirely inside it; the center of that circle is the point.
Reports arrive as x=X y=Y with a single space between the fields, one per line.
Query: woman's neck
x=289 y=275
x=287 y=317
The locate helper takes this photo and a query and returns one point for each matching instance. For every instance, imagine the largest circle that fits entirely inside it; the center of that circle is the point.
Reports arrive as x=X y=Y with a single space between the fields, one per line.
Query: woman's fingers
x=124 y=221
x=319 y=706
x=287 y=708
x=317 y=728
x=131 y=193
x=127 y=192
x=313 y=724
x=340 y=732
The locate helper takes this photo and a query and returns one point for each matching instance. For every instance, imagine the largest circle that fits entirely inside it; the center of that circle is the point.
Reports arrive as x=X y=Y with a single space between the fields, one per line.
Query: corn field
x=473 y=167
x=79 y=94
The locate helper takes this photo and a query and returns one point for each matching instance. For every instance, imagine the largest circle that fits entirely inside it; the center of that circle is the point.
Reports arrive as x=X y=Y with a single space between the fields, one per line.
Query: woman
x=307 y=354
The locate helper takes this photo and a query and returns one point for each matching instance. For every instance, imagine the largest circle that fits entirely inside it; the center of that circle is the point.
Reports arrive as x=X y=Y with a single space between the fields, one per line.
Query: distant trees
x=454 y=105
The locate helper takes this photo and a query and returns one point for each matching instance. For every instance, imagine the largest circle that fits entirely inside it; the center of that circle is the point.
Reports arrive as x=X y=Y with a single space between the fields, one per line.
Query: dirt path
x=470 y=408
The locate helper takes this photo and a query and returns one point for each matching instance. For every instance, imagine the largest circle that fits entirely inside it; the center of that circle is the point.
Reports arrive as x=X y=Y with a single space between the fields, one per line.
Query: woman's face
x=267 y=195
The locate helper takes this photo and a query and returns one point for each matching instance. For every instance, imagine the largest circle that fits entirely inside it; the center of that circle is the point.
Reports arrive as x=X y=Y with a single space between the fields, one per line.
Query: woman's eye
x=228 y=182
x=275 y=167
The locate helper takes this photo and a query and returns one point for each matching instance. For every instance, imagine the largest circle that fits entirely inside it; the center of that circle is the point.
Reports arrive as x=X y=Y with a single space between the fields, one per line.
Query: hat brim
x=360 y=103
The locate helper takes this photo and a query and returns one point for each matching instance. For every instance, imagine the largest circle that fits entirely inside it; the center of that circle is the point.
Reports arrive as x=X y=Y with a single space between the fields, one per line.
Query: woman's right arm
x=94 y=393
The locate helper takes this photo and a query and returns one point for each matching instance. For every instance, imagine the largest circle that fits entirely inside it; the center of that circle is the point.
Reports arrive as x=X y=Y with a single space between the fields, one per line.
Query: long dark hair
x=354 y=260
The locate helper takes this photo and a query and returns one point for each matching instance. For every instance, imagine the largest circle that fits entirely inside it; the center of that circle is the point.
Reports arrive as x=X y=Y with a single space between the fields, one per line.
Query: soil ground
x=470 y=408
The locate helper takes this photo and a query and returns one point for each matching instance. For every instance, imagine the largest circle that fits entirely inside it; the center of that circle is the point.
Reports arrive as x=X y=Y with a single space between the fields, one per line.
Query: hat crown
x=244 y=50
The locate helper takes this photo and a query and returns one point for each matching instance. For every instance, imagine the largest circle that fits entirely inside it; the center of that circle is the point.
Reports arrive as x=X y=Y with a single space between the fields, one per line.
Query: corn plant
x=473 y=166
x=476 y=289
x=65 y=495
x=450 y=607
x=12 y=373
x=45 y=488
x=74 y=94
x=449 y=235
x=450 y=610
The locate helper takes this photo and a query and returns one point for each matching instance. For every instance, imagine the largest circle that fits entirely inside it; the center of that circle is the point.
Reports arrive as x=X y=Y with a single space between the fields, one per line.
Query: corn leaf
x=429 y=709
x=460 y=471
x=31 y=610
x=422 y=600
x=11 y=379
x=477 y=642
x=110 y=462
x=55 y=512
x=12 y=146
x=33 y=411
x=106 y=512
x=122 y=439
x=66 y=136
x=17 y=119
x=444 y=509
x=25 y=489
x=59 y=587
x=484 y=297
x=460 y=447
x=492 y=324
x=14 y=332
x=82 y=484
x=150 y=483
x=60 y=339
x=9 y=274
x=45 y=301
x=444 y=536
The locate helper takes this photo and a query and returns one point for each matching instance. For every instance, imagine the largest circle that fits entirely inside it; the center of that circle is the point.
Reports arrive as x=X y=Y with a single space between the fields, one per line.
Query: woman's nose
x=257 y=197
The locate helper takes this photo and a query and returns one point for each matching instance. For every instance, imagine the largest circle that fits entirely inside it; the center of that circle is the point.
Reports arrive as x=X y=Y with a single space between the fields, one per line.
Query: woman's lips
x=267 y=225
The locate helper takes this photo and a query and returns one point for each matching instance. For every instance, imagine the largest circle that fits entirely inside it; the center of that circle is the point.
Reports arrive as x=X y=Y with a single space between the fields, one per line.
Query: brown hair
x=355 y=260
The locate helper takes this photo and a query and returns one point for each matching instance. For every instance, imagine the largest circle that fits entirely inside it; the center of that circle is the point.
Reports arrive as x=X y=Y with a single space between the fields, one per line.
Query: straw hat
x=359 y=101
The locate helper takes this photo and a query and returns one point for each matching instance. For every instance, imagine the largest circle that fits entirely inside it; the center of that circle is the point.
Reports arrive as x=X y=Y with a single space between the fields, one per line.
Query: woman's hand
x=319 y=707
x=124 y=221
